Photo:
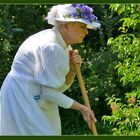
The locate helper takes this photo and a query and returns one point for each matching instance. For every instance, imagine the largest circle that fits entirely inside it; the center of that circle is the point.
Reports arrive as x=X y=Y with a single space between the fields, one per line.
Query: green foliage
x=125 y=113
x=125 y=117
x=127 y=47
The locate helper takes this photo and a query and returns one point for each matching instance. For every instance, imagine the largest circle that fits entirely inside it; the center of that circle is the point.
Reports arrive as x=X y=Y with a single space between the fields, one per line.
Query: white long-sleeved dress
x=33 y=89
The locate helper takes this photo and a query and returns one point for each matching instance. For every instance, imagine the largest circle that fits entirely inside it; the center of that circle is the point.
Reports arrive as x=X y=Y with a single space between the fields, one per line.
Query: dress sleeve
x=56 y=97
x=51 y=65
x=63 y=88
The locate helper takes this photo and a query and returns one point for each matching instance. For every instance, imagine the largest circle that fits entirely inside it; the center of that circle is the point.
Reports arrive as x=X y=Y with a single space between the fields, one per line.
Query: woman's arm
x=70 y=77
x=74 y=58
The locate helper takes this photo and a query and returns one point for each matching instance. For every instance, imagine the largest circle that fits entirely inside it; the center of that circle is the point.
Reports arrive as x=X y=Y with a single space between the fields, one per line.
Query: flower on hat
x=82 y=12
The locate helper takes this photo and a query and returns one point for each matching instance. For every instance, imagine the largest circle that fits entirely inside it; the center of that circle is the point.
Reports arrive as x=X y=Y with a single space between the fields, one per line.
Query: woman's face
x=76 y=32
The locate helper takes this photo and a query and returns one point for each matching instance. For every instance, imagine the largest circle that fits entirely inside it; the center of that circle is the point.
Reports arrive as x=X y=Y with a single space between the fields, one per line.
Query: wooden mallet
x=84 y=93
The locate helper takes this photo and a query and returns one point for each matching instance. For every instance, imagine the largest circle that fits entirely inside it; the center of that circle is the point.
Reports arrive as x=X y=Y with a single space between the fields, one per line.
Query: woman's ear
x=66 y=26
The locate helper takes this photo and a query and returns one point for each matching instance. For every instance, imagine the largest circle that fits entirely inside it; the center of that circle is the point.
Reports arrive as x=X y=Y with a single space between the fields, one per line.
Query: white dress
x=33 y=89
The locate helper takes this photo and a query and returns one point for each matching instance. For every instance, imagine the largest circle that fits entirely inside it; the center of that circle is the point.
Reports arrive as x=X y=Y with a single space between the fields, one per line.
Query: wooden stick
x=84 y=94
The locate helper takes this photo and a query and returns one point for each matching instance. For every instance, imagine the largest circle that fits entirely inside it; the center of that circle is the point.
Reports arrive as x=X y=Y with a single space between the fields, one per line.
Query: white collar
x=60 y=38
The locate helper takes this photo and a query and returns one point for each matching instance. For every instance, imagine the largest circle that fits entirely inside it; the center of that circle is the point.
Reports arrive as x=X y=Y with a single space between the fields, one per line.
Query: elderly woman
x=41 y=71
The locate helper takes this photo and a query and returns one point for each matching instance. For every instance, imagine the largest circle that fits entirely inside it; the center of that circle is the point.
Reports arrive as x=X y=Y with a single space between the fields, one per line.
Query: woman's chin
x=80 y=41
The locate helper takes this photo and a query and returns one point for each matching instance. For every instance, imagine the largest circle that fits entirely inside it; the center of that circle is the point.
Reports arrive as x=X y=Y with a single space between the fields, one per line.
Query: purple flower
x=74 y=5
x=85 y=16
x=74 y=15
x=86 y=9
x=93 y=17
x=83 y=11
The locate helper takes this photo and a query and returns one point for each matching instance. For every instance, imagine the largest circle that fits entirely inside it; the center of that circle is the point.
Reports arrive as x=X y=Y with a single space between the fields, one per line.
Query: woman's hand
x=88 y=115
x=75 y=58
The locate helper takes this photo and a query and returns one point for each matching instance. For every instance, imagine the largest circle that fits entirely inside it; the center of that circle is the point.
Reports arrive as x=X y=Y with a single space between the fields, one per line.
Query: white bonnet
x=73 y=13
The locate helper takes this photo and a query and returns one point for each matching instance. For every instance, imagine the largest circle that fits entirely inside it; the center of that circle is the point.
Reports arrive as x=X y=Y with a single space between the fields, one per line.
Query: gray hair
x=60 y=24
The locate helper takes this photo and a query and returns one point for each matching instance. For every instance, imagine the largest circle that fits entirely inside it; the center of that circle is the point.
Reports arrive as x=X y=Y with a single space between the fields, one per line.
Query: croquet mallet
x=84 y=93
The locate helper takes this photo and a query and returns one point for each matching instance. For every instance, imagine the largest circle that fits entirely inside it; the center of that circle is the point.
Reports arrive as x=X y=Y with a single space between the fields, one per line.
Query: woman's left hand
x=75 y=58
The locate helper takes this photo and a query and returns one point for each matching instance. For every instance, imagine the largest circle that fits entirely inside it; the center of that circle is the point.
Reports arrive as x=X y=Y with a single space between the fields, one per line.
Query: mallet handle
x=84 y=94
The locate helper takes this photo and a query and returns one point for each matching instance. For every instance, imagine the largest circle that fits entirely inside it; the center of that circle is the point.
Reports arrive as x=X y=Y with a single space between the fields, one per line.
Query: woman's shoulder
x=43 y=34
x=41 y=38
